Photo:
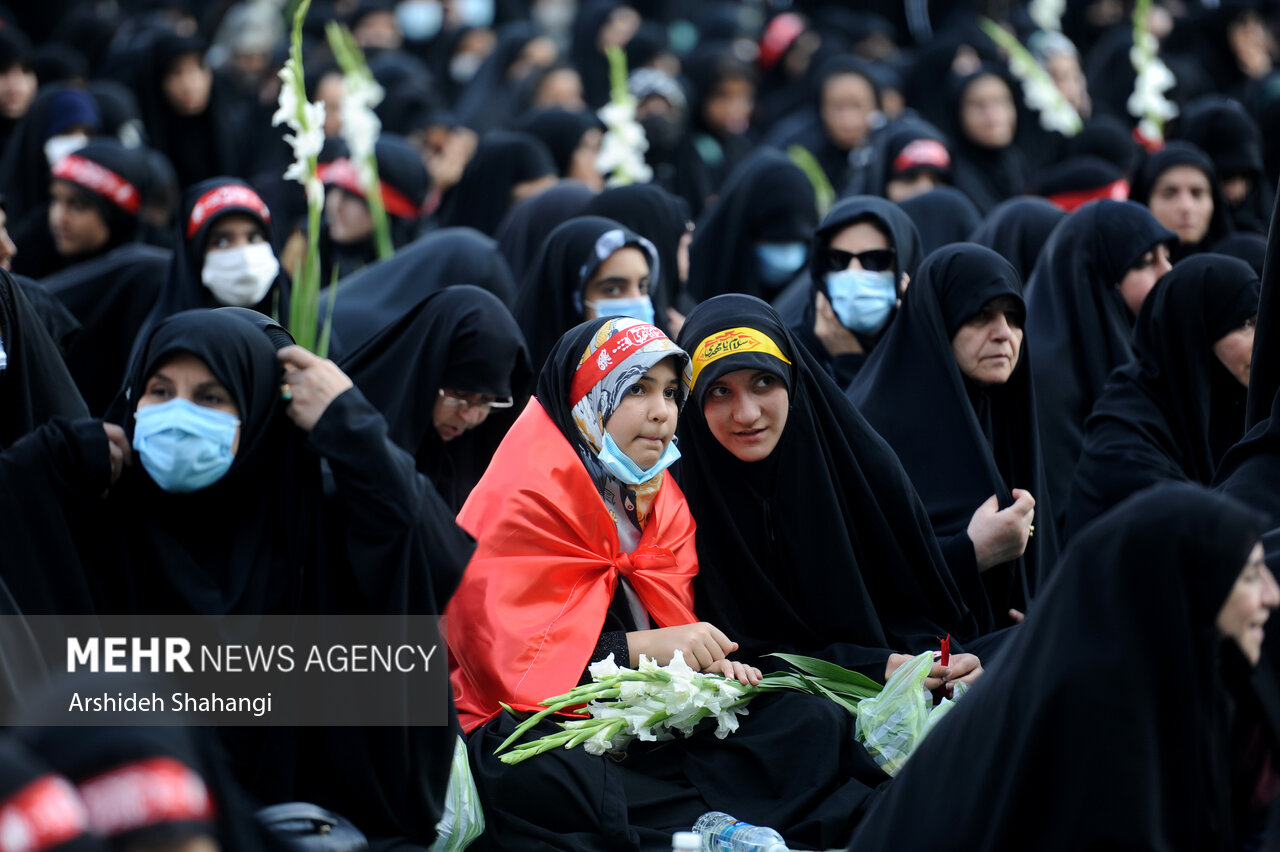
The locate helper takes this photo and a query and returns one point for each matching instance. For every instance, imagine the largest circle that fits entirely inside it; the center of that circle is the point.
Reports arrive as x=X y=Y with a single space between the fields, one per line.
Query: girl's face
x=746 y=411
x=1144 y=274
x=848 y=102
x=987 y=112
x=75 y=223
x=1249 y=606
x=728 y=109
x=1182 y=201
x=644 y=422
x=623 y=275
x=1235 y=350
x=185 y=376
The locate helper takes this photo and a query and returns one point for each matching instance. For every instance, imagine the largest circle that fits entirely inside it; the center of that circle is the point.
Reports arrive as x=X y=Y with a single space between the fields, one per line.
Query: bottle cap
x=685 y=841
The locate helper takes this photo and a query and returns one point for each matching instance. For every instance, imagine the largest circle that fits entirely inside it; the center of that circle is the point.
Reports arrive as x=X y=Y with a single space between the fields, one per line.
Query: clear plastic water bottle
x=722 y=833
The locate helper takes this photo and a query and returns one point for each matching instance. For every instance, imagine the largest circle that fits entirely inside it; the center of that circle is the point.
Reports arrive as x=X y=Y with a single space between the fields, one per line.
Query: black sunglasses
x=872 y=260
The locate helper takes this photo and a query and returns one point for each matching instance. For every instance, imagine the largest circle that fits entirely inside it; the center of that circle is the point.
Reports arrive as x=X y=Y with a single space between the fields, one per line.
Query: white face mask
x=240 y=276
x=57 y=147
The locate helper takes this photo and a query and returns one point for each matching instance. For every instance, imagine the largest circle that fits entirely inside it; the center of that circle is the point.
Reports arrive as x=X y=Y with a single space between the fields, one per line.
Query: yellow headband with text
x=734 y=341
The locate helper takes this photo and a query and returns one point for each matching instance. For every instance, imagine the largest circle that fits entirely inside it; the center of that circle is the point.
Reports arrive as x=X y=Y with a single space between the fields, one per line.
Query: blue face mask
x=862 y=299
x=621 y=465
x=420 y=19
x=184 y=446
x=779 y=262
x=640 y=308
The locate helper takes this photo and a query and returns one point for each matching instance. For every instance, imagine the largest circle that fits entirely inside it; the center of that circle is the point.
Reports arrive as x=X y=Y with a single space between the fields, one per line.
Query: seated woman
x=863 y=256
x=463 y=356
x=1089 y=283
x=222 y=513
x=1171 y=582
x=1180 y=186
x=1173 y=412
x=588 y=267
x=949 y=387
x=811 y=539
x=585 y=548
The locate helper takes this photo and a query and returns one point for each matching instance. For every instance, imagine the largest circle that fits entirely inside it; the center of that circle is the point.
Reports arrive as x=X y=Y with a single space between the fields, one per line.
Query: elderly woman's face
x=186 y=376
x=986 y=347
x=1249 y=605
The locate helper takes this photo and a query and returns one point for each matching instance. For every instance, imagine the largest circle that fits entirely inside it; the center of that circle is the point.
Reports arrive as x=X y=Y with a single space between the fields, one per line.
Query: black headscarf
x=1017 y=230
x=502 y=160
x=111 y=297
x=587 y=57
x=961 y=443
x=1131 y=608
x=203 y=205
x=487 y=101
x=528 y=222
x=1074 y=181
x=766 y=199
x=1229 y=135
x=1080 y=323
x=34 y=383
x=461 y=338
x=987 y=175
x=1264 y=375
x=824 y=548
x=902 y=237
x=1184 y=154
x=1245 y=245
x=118 y=198
x=943 y=216
x=887 y=161
x=561 y=131
x=24 y=172
x=1174 y=411
x=550 y=298
x=381 y=293
x=660 y=217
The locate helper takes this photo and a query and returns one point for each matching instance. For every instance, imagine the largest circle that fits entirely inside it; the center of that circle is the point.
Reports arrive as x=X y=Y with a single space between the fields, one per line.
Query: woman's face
x=848 y=102
x=1182 y=201
x=187 y=377
x=988 y=344
x=187 y=85
x=456 y=412
x=623 y=275
x=746 y=411
x=582 y=165
x=987 y=113
x=1235 y=350
x=728 y=109
x=347 y=217
x=563 y=88
x=1143 y=275
x=644 y=422
x=75 y=223
x=1249 y=605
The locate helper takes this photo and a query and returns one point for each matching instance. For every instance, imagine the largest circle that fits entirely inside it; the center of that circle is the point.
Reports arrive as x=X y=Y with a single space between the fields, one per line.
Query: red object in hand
x=946 y=650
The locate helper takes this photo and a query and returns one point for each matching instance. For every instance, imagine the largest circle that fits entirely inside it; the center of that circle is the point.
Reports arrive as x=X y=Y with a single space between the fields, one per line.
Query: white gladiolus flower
x=1047 y=14
x=605 y=668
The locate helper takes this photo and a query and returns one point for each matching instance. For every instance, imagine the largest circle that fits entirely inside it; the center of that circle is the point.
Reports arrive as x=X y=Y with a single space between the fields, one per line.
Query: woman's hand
x=937 y=677
x=121 y=452
x=741 y=672
x=310 y=384
x=1000 y=535
x=836 y=339
x=702 y=645
x=966 y=668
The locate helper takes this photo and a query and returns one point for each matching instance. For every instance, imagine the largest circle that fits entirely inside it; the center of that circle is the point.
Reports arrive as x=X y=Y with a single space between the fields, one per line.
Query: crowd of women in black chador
x=872 y=359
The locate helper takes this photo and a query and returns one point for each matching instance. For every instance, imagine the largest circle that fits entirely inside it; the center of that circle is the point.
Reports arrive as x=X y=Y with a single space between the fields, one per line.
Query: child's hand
x=741 y=672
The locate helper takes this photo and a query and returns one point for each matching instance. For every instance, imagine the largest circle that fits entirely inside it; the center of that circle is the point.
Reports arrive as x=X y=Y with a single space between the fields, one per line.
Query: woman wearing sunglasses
x=864 y=254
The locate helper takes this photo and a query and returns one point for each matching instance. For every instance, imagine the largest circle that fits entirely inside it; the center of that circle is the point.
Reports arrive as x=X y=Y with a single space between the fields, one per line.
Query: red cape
x=530 y=608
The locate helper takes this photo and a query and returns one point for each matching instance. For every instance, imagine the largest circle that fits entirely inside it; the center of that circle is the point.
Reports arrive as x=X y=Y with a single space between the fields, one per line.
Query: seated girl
x=585 y=547
x=811 y=539
x=949 y=387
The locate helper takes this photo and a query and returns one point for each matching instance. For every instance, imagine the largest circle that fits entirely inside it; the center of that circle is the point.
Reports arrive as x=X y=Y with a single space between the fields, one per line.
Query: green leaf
x=822 y=668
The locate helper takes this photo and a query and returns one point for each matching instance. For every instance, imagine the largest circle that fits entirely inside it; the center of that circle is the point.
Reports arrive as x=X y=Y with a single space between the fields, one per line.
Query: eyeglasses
x=872 y=260
x=475 y=400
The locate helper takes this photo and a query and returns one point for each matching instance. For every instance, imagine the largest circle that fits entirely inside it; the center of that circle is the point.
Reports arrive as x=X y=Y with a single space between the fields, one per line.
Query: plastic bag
x=892 y=725
x=463 y=819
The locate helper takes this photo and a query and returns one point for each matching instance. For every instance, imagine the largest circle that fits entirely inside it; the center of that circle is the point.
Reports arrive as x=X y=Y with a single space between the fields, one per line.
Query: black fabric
x=1184 y=154
x=550 y=298
x=22 y=767
x=1108 y=138
x=880 y=168
x=766 y=199
x=943 y=216
x=1131 y=609
x=381 y=293
x=1246 y=246
x=663 y=219
x=1076 y=175
x=24 y=172
x=903 y=238
x=111 y=297
x=461 y=338
x=483 y=194
x=987 y=175
x=824 y=548
x=184 y=289
x=130 y=165
x=57 y=320
x=961 y=443
x=34 y=385
x=1081 y=325
x=1174 y=411
x=561 y=131
x=1264 y=375
x=528 y=222
x=1229 y=135
x=487 y=100
x=1017 y=230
